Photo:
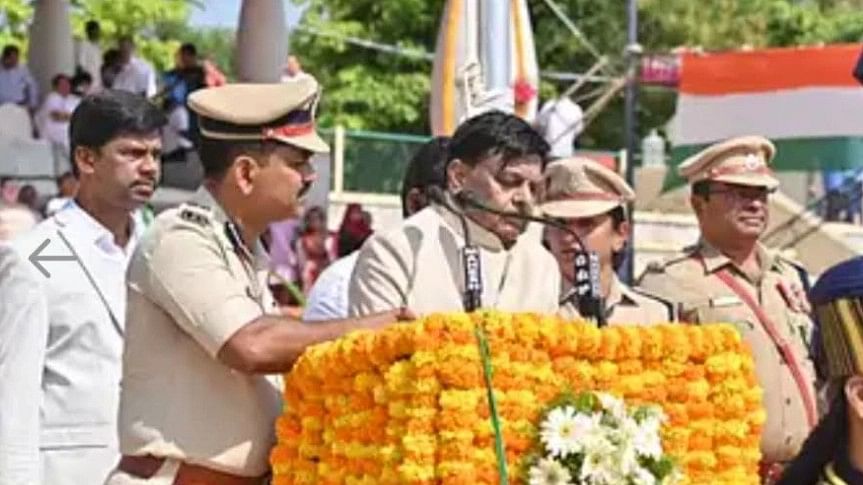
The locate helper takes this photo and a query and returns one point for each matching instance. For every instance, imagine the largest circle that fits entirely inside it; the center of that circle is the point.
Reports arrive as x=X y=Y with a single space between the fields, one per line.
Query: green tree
x=146 y=21
x=14 y=18
x=382 y=91
x=366 y=88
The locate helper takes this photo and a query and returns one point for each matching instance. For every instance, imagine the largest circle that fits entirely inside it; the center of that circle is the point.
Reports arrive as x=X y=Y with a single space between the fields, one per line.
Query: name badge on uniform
x=725 y=301
x=794 y=296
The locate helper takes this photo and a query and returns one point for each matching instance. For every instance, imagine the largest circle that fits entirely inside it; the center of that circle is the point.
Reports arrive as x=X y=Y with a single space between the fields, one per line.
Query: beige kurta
x=626 y=306
x=419 y=265
x=691 y=281
x=191 y=287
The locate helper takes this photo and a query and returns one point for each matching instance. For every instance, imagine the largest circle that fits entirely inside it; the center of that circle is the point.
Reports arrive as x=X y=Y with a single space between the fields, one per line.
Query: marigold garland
x=408 y=405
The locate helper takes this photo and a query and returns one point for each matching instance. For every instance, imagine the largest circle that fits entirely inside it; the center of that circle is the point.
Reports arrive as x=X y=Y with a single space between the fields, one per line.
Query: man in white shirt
x=54 y=119
x=560 y=121
x=79 y=297
x=17 y=85
x=89 y=55
x=136 y=75
x=328 y=299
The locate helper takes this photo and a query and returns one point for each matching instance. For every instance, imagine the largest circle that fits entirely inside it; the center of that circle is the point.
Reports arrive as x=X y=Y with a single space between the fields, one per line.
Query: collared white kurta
x=81 y=324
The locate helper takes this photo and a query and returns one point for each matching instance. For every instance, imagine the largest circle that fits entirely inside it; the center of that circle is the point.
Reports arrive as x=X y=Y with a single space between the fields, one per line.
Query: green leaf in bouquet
x=660 y=468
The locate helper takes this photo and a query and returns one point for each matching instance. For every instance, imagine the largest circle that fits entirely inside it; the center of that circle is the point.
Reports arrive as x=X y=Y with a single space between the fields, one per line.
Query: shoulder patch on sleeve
x=196 y=214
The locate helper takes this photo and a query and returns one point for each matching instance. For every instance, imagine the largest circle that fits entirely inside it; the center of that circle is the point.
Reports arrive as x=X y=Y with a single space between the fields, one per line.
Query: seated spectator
x=17 y=85
x=15 y=220
x=67 y=188
x=28 y=197
x=315 y=249
x=135 y=75
x=8 y=190
x=353 y=231
x=54 y=119
x=176 y=140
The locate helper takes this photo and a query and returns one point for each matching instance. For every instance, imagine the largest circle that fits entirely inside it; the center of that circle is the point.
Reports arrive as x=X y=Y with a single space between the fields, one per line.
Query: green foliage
x=365 y=89
x=14 y=18
x=145 y=20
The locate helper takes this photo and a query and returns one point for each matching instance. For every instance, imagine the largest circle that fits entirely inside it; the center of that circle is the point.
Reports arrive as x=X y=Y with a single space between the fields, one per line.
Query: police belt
x=146 y=466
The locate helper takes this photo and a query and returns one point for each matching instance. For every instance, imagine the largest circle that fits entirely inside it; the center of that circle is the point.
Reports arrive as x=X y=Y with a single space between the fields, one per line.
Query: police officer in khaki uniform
x=591 y=201
x=728 y=276
x=203 y=330
x=498 y=158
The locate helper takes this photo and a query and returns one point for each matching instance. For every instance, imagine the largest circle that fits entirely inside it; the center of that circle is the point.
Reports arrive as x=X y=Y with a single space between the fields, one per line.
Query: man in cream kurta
x=419 y=266
x=498 y=159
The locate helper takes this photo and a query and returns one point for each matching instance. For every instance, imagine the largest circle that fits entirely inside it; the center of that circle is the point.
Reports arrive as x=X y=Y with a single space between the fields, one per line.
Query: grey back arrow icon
x=36 y=258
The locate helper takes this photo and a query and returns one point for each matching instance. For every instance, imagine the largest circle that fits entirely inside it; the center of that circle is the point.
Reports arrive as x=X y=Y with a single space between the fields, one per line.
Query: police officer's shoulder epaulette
x=196 y=214
x=662 y=265
x=668 y=304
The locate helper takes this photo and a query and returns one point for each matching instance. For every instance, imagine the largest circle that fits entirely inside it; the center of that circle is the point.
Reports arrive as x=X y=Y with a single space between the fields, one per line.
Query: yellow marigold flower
x=408 y=404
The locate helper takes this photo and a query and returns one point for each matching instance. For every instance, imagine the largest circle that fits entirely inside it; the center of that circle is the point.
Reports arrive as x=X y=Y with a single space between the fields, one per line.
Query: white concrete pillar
x=51 y=50
x=262 y=41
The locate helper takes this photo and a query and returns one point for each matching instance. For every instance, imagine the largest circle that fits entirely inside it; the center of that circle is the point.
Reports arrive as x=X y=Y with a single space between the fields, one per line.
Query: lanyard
x=781 y=343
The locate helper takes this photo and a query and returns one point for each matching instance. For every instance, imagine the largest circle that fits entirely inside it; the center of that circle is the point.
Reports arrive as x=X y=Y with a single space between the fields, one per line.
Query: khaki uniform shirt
x=691 y=281
x=191 y=287
x=626 y=305
x=419 y=265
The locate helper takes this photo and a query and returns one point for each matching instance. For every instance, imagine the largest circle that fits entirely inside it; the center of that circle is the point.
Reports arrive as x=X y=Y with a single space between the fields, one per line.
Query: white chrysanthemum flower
x=627 y=458
x=646 y=439
x=600 y=468
x=563 y=432
x=612 y=405
x=549 y=472
x=641 y=476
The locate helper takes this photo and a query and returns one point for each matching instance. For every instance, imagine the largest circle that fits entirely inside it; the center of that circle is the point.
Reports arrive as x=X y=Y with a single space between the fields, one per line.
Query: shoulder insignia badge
x=195 y=214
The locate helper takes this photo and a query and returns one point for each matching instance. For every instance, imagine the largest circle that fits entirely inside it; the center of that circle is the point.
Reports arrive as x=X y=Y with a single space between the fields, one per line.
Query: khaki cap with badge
x=743 y=160
x=580 y=187
x=283 y=112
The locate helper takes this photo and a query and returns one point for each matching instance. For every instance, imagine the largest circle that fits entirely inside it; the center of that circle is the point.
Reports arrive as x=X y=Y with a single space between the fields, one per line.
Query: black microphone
x=586 y=291
x=470 y=255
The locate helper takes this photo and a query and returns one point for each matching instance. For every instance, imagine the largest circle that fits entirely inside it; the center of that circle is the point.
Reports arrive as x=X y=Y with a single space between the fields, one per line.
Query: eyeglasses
x=740 y=194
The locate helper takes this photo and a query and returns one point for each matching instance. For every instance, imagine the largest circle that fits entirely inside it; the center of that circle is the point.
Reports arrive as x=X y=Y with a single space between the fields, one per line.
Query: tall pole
x=51 y=46
x=633 y=51
x=262 y=41
x=495 y=45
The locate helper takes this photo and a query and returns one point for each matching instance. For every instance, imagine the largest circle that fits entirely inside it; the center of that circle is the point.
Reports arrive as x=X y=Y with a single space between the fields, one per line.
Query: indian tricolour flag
x=805 y=100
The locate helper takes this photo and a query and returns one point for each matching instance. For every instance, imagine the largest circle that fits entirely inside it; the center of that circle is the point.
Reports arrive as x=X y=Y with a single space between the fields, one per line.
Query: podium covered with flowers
x=471 y=398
